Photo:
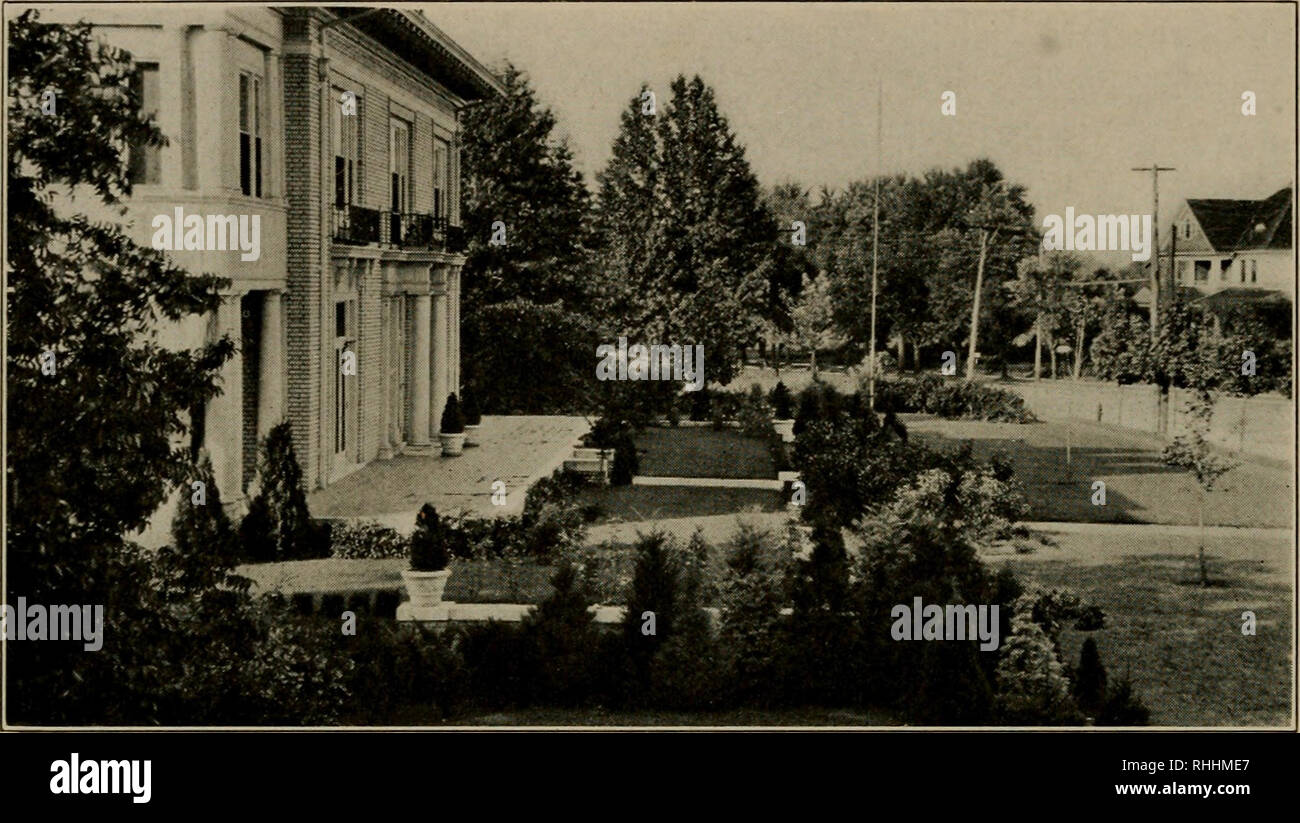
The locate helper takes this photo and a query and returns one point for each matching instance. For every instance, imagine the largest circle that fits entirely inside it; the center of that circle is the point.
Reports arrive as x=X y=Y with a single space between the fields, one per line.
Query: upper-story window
x=1254 y=270
x=144 y=161
x=344 y=133
x=441 y=178
x=1187 y=229
x=399 y=174
x=250 y=134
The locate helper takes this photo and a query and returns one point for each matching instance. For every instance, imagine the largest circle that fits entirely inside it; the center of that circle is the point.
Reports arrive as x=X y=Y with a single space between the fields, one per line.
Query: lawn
x=1182 y=644
x=1139 y=487
x=699 y=451
x=623 y=504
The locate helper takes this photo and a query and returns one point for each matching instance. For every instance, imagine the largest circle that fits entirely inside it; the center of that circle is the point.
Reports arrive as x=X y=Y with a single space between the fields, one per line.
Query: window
x=144 y=164
x=343 y=130
x=1182 y=271
x=399 y=166
x=1224 y=265
x=1202 y=271
x=1254 y=271
x=250 y=134
x=441 y=178
x=1187 y=229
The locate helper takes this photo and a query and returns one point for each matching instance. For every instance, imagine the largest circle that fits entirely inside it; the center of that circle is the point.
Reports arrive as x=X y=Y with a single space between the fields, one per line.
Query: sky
x=1065 y=98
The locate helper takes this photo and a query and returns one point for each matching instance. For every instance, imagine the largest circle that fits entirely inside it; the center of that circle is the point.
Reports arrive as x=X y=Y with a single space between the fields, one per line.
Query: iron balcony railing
x=356 y=225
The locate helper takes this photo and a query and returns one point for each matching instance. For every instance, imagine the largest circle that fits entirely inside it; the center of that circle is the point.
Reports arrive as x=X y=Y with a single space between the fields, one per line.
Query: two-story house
x=1242 y=248
x=337 y=128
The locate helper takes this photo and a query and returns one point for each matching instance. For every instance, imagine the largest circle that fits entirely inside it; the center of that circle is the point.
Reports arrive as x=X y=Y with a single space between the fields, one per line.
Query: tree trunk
x=813 y=363
x=1200 y=550
x=975 y=307
x=1078 y=351
x=1038 y=349
x=1051 y=351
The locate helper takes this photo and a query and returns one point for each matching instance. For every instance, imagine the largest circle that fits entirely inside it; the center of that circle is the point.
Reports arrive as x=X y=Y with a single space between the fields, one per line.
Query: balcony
x=356 y=225
x=359 y=226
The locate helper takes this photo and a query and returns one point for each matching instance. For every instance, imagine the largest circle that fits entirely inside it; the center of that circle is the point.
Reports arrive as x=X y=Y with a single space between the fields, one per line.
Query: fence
x=1262 y=425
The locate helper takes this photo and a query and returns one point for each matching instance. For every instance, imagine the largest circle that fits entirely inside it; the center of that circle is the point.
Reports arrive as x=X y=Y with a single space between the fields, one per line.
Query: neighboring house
x=1239 y=246
x=348 y=322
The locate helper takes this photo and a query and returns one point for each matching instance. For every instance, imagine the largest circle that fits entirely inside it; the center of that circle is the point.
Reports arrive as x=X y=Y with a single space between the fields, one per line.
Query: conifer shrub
x=429 y=542
x=1090 y=680
x=469 y=407
x=278 y=525
x=782 y=402
x=453 y=422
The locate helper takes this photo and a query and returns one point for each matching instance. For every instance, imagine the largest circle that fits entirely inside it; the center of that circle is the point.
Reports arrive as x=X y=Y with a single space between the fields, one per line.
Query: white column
x=422 y=345
x=439 y=355
x=454 y=353
x=270 y=399
x=224 y=437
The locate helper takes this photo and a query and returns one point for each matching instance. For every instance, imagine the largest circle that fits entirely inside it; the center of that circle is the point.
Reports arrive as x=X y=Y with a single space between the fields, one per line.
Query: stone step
x=584 y=466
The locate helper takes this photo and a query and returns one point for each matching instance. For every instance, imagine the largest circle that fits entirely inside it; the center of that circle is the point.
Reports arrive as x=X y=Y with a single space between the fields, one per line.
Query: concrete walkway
x=518 y=450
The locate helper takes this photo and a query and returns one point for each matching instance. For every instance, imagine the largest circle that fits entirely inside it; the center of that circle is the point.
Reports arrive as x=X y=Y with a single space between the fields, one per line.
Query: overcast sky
x=1064 y=98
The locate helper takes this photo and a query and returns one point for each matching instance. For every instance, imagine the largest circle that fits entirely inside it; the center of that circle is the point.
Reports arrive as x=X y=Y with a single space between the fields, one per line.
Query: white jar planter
x=785 y=428
x=452 y=444
x=425 y=588
x=471 y=434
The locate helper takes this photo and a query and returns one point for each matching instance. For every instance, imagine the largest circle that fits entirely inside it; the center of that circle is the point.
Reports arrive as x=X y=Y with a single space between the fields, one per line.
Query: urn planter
x=425 y=588
x=785 y=428
x=471 y=434
x=452 y=444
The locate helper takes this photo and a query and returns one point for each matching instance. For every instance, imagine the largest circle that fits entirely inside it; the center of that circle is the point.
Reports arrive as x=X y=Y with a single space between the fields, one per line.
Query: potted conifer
x=451 y=433
x=473 y=417
x=783 y=412
x=426 y=580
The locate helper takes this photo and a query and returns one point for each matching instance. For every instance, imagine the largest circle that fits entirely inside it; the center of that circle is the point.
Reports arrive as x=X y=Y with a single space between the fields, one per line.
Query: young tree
x=1040 y=290
x=813 y=319
x=1191 y=452
x=97 y=406
x=278 y=525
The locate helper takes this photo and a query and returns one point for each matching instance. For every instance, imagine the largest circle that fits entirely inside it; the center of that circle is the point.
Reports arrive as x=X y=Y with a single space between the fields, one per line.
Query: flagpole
x=875 y=244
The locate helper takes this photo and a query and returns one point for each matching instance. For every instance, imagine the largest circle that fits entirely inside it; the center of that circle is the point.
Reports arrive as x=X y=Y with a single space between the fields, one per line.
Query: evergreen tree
x=1090 y=679
x=1032 y=687
x=691 y=194
x=278 y=525
x=518 y=172
x=563 y=640
x=651 y=608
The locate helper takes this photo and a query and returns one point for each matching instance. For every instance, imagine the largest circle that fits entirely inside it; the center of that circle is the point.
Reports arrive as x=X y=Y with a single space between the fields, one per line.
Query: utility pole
x=985 y=238
x=1155 y=169
x=875 y=244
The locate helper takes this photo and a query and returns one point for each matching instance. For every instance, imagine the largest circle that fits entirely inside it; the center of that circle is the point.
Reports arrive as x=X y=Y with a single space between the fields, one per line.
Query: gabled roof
x=1270 y=228
x=1235 y=225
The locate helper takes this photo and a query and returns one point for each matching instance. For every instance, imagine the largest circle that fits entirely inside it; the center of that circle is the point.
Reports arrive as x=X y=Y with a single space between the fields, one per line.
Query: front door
x=345 y=382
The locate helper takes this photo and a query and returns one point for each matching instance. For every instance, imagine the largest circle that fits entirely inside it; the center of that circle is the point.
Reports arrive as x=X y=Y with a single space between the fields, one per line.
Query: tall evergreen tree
x=697 y=279
x=517 y=171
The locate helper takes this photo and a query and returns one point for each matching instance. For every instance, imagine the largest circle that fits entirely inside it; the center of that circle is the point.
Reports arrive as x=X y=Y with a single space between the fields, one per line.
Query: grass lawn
x=1139 y=487
x=622 y=504
x=699 y=451
x=1182 y=644
x=417 y=715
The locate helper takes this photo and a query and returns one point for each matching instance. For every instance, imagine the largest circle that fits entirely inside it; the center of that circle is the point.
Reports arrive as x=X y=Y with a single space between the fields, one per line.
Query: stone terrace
x=518 y=450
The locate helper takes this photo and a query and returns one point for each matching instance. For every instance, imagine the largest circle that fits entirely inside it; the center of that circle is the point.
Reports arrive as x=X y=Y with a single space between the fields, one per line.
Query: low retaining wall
x=1263 y=425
